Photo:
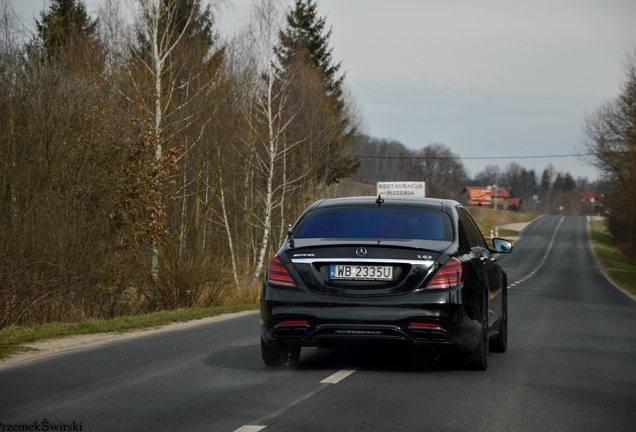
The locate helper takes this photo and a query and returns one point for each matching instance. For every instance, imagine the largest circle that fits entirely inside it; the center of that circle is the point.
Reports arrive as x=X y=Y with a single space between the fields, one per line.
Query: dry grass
x=490 y=219
x=242 y=296
x=499 y=217
x=348 y=187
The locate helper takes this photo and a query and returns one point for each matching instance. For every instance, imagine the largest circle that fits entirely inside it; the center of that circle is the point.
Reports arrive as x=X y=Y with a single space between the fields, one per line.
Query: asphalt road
x=570 y=366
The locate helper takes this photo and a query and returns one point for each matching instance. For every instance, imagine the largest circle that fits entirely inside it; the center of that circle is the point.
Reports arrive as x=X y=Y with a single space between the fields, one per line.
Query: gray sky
x=486 y=78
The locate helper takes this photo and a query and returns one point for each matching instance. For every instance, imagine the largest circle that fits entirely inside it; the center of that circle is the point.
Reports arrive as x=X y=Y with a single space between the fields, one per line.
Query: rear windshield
x=372 y=223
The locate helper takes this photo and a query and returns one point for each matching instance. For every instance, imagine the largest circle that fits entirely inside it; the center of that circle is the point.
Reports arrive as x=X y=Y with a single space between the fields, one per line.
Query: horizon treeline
x=145 y=164
x=446 y=176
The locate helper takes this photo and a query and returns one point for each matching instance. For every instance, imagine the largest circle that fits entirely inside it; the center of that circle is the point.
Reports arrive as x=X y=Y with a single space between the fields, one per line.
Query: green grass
x=12 y=338
x=616 y=265
x=526 y=217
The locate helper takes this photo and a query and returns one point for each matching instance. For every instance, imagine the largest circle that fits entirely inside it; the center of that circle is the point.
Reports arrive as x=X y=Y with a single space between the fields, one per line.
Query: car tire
x=270 y=355
x=281 y=355
x=478 y=358
x=500 y=342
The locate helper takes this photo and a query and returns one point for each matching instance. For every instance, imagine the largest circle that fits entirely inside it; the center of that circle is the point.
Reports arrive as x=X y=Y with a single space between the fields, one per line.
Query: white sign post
x=401 y=189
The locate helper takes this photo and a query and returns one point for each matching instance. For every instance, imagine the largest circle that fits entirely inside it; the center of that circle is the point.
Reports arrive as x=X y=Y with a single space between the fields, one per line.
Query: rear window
x=372 y=223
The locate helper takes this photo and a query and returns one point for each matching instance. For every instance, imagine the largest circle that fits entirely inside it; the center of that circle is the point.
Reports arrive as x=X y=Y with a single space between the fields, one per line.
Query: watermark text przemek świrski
x=44 y=426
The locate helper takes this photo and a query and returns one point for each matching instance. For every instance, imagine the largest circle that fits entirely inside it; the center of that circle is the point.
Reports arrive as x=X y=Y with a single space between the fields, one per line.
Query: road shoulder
x=53 y=346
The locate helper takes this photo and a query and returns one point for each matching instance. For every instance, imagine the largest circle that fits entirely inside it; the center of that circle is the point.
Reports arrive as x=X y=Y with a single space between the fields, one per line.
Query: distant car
x=413 y=271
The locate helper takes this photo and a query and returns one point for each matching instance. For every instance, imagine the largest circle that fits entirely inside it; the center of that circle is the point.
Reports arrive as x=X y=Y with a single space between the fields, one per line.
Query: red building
x=487 y=196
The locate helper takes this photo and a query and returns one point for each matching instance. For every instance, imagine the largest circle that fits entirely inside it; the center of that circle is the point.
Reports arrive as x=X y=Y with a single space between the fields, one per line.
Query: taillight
x=277 y=273
x=450 y=275
x=419 y=324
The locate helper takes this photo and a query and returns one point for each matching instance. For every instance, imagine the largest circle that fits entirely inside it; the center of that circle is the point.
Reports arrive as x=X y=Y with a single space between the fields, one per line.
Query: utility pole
x=496 y=187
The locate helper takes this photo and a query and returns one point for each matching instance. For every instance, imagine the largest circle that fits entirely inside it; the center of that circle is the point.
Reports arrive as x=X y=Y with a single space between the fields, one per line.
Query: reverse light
x=277 y=273
x=450 y=275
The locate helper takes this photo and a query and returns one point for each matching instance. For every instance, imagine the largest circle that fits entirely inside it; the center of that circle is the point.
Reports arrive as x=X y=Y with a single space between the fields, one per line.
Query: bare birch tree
x=153 y=80
x=267 y=122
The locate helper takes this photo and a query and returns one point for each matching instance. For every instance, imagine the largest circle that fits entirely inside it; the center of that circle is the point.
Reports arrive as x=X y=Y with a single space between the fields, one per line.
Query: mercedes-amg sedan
x=412 y=271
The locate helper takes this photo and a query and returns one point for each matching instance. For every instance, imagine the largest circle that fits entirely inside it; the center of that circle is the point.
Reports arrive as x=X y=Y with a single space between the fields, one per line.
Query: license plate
x=361 y=272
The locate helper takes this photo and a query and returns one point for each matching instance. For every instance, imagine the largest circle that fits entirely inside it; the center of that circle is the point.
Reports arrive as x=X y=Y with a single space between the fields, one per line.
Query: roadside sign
x=402 y=189
x=480 y=196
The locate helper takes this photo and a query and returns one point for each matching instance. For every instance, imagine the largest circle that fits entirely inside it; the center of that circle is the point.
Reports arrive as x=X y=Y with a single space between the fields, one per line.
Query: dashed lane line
x=338 y=376
x=333 y=379
x=543 y=260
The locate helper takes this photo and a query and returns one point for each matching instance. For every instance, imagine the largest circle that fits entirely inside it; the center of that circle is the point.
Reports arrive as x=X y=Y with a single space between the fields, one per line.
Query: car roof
x=365 y=201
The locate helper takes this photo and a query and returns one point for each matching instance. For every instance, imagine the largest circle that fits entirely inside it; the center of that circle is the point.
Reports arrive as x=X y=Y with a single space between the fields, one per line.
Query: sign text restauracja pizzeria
x=402 y=189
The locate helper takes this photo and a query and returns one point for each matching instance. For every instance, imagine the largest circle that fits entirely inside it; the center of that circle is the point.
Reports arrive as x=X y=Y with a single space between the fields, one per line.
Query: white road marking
x=545 y=257
x=333 y=379
x=289 y=405
x=338 y=376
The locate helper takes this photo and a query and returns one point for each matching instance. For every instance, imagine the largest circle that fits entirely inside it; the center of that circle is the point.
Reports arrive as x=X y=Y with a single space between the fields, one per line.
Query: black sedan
x=411 y=271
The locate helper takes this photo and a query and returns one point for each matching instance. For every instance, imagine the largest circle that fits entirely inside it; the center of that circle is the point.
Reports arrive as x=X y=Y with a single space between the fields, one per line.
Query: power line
x=474 y=157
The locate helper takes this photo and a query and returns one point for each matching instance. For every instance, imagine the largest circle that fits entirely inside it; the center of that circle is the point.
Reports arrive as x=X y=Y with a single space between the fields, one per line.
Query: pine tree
x=203 y=21
x=175 y=16
x=64 y=22
x=304 y=42
x=305 y=37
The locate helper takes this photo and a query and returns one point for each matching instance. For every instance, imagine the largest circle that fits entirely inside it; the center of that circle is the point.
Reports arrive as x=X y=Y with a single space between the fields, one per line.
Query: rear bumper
x=432 y=319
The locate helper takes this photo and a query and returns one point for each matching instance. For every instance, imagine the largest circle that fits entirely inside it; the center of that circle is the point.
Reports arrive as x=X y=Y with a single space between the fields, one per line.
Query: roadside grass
x=618 y=267
x=12 y=338
x=492 y=219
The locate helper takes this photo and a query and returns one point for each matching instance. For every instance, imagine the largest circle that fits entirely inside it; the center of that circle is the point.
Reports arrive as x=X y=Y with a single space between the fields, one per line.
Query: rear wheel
x=478 y=359
x=281 y=355
x=500 y=342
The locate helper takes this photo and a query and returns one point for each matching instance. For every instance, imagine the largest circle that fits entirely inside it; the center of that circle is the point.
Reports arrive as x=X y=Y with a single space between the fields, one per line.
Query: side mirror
x=501 y=245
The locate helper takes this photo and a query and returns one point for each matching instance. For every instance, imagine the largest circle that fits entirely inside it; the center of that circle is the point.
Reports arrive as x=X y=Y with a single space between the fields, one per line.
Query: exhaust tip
x=282 y=333
x=438 y=336
x=298 y=332
x=420 y=335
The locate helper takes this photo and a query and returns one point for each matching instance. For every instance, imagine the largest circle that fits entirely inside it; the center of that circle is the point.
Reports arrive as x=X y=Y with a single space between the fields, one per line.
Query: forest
x=146 y=165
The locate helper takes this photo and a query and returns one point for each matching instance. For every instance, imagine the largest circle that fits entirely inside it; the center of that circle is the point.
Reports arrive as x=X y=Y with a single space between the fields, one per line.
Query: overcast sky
x=486 y=78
